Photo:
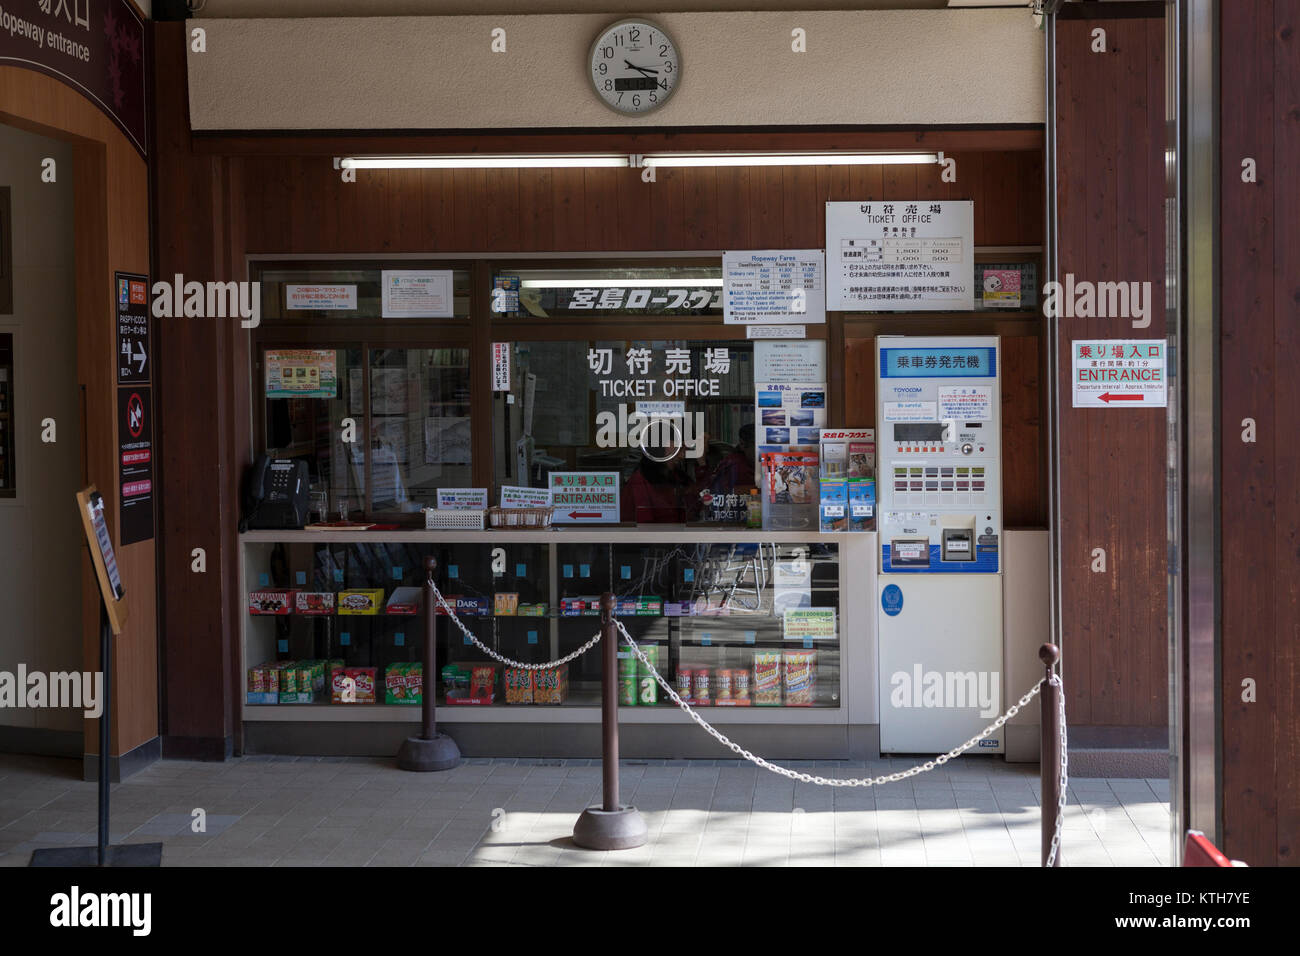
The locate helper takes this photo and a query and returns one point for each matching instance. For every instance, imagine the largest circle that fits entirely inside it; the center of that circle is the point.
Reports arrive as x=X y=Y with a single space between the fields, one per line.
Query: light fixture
x=623 y=161
x=479 y=161
x=789 y=159
x=580 y=283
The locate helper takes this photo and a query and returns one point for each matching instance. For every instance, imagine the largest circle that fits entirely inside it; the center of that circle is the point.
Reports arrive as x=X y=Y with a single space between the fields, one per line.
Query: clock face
x=634 y=67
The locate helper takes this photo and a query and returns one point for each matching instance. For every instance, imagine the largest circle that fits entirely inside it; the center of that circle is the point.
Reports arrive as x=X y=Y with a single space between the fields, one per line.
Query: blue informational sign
x=891 y=599
x=977 y=362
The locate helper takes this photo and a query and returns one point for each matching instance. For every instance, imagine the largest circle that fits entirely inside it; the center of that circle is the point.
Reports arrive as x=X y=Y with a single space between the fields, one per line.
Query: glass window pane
x=311 y=427
x=674 y=418
x=420 y=423
x=312 y=295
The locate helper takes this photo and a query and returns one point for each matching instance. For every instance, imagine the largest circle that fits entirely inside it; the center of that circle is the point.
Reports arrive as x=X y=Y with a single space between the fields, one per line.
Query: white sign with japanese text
x=774 y=286
x=1119 y=373
x=417 y=294
x=900 y=256
x=500 y=366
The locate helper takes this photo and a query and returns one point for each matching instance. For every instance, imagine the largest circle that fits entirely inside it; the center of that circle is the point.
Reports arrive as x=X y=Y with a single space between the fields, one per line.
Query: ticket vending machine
x=939 y=515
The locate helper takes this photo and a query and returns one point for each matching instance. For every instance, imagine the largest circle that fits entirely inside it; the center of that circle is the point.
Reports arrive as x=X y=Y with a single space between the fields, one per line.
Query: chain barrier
x=451 y=613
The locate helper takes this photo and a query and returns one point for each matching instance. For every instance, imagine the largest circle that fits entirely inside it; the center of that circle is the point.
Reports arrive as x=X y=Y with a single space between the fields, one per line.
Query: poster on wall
x=900 y=256
x=417 y=294
x=500 y=366
x=134 y=350
x=301 y=373
x=135 y=462
x=789 y=414
x=774 y=286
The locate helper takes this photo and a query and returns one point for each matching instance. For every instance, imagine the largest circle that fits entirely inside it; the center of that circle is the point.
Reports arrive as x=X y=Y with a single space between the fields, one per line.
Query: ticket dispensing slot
x=958 y=544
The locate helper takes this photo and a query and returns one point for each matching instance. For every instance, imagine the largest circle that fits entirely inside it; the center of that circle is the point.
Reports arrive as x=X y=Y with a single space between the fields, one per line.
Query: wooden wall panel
x=1260 y=504
x=1111 y=228
x=300 y=204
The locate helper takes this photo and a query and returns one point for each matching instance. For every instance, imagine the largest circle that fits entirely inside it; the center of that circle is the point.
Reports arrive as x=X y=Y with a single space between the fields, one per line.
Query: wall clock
x=634 y=67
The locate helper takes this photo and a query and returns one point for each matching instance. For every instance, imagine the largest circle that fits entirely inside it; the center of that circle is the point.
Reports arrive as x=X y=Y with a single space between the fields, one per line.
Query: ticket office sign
x=900 y=256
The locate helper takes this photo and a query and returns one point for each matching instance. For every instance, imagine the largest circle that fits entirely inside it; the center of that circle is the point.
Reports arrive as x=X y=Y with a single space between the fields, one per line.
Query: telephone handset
x=277 y=494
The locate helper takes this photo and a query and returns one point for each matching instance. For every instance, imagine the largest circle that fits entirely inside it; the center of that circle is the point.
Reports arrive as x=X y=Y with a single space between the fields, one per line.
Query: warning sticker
x=971 y=403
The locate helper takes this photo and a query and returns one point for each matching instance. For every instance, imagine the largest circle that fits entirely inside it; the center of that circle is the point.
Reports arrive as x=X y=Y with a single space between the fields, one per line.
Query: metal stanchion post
x=1049 y=753
x=431 y=750
x=610 y=826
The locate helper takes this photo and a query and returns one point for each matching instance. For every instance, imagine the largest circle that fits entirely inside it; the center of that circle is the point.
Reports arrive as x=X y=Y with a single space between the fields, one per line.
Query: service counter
x=773 y=632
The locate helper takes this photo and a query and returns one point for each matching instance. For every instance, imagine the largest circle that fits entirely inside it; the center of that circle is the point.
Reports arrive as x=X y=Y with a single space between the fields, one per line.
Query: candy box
x=473 y=607
x=314 y=602
x=800 y=678
x=679 y=608
x=551 y=686
x=505 y=603
x=533 y=610
x=404 y=684
x=405 y=600
x=271 y=602
x=362 y=689
x=572 y=607
x=519 y=685
x=482 y=685
x=360 y=601
x=296 y=684
x=264 y=683
x=767 y=678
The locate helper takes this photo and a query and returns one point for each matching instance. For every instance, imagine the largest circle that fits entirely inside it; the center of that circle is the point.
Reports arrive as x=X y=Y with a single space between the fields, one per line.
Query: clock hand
x=640 y=69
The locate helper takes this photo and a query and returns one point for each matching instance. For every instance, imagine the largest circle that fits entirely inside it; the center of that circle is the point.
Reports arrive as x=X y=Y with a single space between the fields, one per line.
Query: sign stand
x=112 y=616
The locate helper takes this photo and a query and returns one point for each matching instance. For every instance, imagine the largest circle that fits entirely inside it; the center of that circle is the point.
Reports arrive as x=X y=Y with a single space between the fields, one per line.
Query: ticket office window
x=672 y=417
x=379 y=449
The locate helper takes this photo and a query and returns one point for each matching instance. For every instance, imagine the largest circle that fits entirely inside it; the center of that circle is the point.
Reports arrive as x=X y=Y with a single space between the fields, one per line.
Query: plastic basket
x=520 y=518
x=458 y=520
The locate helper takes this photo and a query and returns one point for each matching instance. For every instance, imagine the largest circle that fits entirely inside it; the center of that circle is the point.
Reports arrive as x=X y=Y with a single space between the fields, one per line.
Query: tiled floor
x=287 y=811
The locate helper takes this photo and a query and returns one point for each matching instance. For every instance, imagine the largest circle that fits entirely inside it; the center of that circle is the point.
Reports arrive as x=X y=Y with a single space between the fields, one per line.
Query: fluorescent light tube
x=790 y=159
x=579 y=283
x=473 y=161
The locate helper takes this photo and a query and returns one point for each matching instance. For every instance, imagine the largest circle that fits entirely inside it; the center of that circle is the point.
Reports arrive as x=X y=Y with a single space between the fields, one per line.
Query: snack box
x=272 y=601
x=360 y=601
x=679 y=608
x=363 y=689
x=314 y=602
x=551 y=686
x=799 y=675
x=573 y=607
x=482 y=685
x=298 y=683
x=505 y=603
x=519 y=685
x=264 y=683
x=766 y=690
x=405 y=600
x=640 y=607
x=533 y=610
x=404 y=684
x=465 y=606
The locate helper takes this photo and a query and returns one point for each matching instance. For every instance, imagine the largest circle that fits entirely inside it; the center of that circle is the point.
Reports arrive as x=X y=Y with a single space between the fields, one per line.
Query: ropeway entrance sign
x=1119 y=373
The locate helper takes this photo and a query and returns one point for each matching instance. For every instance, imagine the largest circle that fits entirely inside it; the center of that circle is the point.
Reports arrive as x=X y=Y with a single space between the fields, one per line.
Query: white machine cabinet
x=939 y=492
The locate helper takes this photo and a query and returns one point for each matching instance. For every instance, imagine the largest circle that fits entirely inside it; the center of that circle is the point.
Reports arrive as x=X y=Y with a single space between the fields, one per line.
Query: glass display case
x=728 y=623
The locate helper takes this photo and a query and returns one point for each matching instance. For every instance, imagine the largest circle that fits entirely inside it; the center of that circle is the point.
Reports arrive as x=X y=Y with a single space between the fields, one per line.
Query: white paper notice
x=320 y=298
x=790 y=361
x=417 y=294
x=966 y=403
x=774 y=286
x=900 y=256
